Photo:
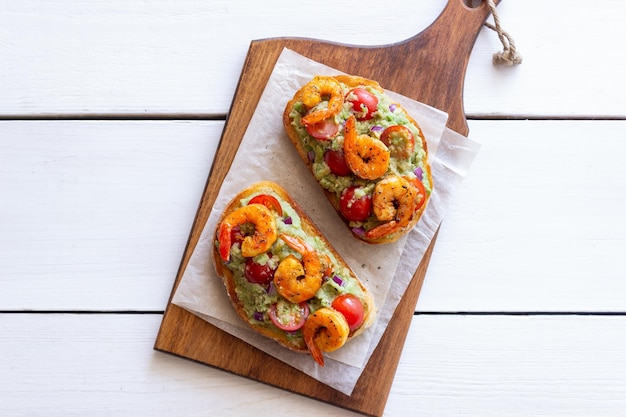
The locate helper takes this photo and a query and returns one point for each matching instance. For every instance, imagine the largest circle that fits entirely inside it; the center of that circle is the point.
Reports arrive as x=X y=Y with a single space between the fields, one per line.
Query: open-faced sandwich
x=283 y=277
x=368 y=155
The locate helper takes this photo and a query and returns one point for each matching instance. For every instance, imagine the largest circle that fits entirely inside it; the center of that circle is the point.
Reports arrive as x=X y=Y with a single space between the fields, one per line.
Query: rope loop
x=509 y=55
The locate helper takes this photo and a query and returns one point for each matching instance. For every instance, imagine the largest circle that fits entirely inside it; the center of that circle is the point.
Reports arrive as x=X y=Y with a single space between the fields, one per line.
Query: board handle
x=457 y=14
x=428 y=67
x=439 y=56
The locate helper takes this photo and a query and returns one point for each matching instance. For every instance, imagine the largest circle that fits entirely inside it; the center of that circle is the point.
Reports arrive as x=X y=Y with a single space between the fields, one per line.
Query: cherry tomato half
x=363 y=103
x=351 y=308
x=323 y=130
x=288 y=316
x=355 y=209
x=268 y=201
x=257 y=273
x=337 y=163
x=399 y=140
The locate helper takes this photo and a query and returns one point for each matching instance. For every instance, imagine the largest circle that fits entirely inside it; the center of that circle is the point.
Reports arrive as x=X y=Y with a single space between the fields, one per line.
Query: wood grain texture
x=100 y=212
x=546 y=230
x=443 y=50
x=95 y=215
x=60 y=365
x=158 y=57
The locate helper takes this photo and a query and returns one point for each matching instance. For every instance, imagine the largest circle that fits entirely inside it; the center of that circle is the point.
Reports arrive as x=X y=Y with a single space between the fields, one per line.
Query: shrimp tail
x=382 y=230
x=296 y=244
x=224 y=241
x=315 y=351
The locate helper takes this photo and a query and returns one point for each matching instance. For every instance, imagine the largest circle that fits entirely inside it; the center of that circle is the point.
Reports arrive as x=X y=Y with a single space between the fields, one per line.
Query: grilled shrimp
x=314 y=92
x=265 y=230
x=298 y=280
x=324 y=331
x=366 y=156
x=394 y=201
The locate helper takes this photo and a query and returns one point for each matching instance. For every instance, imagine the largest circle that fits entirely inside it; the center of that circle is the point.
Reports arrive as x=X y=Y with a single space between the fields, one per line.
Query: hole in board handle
x=473 y=3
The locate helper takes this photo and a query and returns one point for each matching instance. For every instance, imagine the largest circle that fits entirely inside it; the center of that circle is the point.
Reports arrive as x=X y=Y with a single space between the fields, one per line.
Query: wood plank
x=64 y=364
x=538 y=223
x=95 y=215
x=162 y=57
x=97 y=232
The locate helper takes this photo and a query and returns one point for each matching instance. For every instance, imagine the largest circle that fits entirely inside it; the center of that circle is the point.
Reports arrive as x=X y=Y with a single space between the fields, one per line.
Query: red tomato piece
x=351 y=308
x=288 y=316
x=323 y=130
x=364 y=103
x=399 y=140
x=355 y=209
x=257 y=273
x=268 y=201
x=337 y=163
x=227 y=238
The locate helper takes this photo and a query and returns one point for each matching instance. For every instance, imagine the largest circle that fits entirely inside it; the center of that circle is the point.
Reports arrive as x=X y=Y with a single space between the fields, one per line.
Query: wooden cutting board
x=429 y=67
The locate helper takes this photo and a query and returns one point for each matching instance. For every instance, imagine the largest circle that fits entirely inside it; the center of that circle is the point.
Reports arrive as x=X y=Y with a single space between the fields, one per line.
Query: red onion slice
x=419 y=173
x=359 y=231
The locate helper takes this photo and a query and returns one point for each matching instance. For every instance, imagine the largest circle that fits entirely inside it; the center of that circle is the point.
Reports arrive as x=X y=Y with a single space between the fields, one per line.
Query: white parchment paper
x=267 y=154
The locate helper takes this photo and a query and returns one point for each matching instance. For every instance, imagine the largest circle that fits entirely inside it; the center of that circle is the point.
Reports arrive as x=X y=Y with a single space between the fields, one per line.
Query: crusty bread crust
x=309 y=228
x=354 y=81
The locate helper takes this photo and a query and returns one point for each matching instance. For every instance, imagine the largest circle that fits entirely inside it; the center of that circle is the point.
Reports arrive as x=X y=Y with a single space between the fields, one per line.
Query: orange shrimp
x=296 y=280
x=325 y=330
x=366 y=156
x=313 y=94
x=394 y=201
x=265 y=230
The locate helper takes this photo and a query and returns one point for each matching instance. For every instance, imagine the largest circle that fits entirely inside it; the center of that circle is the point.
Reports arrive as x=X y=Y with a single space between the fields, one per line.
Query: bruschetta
x=284 y=278
x=369 y=156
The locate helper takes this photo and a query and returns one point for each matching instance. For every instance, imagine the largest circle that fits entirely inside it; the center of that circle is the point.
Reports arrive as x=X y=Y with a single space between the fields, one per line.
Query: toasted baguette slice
x=325 y=156
x=253 y=301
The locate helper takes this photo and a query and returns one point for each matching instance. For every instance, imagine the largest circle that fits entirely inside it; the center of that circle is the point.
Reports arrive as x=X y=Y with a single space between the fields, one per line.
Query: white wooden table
x=111 y=112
